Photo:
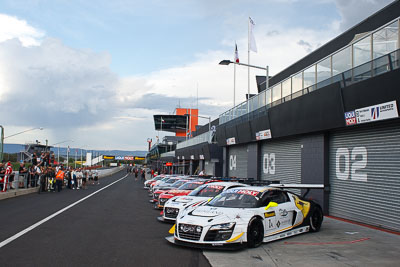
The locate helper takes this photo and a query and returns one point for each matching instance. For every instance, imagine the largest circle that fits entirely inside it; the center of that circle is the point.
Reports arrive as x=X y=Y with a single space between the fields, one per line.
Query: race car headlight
x=223 y=226
x=220 y=232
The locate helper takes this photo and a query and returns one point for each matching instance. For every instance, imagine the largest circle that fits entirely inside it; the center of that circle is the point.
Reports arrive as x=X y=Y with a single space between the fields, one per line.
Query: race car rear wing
x=300 y=186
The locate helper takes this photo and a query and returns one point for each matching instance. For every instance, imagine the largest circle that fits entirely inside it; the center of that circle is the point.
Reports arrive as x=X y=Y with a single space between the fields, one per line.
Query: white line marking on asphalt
x=30 y=228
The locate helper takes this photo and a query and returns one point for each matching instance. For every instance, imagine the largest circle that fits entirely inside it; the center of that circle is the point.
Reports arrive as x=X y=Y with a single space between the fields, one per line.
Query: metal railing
x=201 y=138
x=262 y=101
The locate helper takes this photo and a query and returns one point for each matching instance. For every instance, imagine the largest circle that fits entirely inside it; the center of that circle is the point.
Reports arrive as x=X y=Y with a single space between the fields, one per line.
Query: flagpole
x=234 y=84
x=248 y=62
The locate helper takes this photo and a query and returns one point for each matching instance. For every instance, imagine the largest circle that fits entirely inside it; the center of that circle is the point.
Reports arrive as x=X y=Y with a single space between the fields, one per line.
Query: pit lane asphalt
x=115 y=227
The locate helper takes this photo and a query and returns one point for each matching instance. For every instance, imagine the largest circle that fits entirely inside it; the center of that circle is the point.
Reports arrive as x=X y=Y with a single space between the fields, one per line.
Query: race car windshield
x=178 y=183
x=235 y=200
x=171 y=181
x=190 y=186
x=207 y=191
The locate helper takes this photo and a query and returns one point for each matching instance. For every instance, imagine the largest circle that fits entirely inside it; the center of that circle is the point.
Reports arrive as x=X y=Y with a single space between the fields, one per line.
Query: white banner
x=231 y=141
x=378 y=112
x=261 y=135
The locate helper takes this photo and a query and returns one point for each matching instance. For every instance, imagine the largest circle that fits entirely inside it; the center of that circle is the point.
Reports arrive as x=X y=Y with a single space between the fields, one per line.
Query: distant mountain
x=16 y=148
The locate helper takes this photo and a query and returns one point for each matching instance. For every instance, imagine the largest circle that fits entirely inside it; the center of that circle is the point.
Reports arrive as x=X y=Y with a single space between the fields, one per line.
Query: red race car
x=181 y=191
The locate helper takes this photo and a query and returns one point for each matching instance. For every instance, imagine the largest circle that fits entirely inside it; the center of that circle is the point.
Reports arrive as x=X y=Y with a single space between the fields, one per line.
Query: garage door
x=281 y=160
x=237 y=161
x=365 y=175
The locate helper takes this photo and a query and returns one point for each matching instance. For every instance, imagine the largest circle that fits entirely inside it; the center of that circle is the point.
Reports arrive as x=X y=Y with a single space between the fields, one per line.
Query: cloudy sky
x=96 y=71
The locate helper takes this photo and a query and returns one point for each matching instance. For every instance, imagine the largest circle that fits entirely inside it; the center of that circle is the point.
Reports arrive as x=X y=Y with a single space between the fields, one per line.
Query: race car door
x=279 y=218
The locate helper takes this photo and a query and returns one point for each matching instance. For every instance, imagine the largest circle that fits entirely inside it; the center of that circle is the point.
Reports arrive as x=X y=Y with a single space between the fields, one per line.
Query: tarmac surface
x=114 y=227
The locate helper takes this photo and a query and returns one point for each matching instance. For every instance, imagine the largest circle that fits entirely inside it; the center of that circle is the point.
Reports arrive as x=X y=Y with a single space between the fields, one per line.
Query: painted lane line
x=30 y=228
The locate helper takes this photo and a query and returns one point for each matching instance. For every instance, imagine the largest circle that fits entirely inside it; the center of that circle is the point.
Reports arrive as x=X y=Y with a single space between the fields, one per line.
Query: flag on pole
x=162 y=120
x=236 y=54
x=252 y=41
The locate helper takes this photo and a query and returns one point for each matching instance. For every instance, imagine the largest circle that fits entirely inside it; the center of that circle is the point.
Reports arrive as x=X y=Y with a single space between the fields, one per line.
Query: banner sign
x=231 y=141
x=378 y=112
x=168 y=164
x=140 y=158
x=128 y=158
x=109 y=157
x=261 y=135
x=119 y=158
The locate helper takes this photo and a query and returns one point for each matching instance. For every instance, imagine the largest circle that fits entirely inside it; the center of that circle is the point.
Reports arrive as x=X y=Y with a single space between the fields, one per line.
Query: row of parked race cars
x=228 y=214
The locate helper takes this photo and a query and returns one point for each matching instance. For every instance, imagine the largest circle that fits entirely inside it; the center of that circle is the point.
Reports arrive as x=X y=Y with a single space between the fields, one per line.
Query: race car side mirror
x=271 y=204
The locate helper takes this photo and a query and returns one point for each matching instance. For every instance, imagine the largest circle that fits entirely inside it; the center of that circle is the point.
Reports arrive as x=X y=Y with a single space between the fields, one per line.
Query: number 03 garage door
x=364 y=168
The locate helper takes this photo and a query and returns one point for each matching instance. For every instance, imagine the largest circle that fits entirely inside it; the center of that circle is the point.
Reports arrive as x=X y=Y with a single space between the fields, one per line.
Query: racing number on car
x=232 y=162
x=349 y=165
x=269 y=163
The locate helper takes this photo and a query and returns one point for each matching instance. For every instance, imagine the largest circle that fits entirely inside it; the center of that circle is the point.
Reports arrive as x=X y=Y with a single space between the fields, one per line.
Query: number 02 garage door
x=365 y=175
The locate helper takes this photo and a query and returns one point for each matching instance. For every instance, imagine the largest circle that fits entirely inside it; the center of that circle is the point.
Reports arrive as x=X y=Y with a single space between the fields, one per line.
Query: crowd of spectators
x=46 y=173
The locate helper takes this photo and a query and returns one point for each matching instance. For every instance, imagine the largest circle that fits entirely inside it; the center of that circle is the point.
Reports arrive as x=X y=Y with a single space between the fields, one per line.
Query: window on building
x=324 y=70
x=309 y=76
x=287 y=88
x=341 y=61
x=276 y=92
x=297 y=82
x=386 y=40
x=362 y=51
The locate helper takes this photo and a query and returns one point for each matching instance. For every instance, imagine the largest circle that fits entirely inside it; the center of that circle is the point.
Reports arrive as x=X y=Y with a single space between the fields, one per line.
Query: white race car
x=247 y=215
x=196 y=197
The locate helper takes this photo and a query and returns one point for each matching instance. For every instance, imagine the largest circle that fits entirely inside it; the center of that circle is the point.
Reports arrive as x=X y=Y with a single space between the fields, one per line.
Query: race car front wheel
x=255 y=233
x=316 y=218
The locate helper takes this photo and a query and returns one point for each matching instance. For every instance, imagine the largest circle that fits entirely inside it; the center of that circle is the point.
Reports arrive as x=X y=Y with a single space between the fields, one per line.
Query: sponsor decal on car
x=245 y=192
x=269 y=214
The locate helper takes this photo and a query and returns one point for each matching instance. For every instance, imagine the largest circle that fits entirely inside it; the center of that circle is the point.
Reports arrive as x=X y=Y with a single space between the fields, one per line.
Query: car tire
x=255 y=233
x=315 y=219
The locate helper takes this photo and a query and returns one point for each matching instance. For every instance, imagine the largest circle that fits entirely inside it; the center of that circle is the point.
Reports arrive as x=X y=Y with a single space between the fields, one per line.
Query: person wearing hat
x=7 y=176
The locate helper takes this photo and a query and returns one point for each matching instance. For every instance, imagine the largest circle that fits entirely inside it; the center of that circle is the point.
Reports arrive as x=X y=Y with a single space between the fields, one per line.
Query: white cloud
x=354 y=11
x=13 y=27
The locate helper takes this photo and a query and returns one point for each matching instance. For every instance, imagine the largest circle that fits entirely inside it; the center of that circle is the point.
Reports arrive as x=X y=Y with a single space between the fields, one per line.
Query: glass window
x=297 y=82
x=261 y=99
x=386 y=40
x=309 y=76
x=324 y=70
x=276 y=92
x=341 y=61
x=268 y=96
x=287 y=88
x=362 y=51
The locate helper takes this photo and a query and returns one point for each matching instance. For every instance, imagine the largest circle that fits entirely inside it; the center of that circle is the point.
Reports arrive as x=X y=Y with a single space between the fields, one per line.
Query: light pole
x=58 y=153
x=227 y=62
x=2 y=143
x=2 y=138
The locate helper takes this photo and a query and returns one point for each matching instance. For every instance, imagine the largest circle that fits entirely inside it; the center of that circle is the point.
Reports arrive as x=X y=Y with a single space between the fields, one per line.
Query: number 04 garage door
x=365 y=175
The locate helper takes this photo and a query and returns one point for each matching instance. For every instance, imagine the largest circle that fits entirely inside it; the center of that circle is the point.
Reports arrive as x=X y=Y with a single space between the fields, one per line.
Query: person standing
x=6 y=176
x=96 y=176
x=60 y=179
x=84 y=178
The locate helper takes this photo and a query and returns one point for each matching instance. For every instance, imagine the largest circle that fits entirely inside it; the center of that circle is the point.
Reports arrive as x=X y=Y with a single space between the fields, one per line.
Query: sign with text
x=168 y=164
x=231 y=141
x=128 y=158
x=140 y=158
x=109 y=157
x=119 y=158
x=261 y=135
x=378 y=112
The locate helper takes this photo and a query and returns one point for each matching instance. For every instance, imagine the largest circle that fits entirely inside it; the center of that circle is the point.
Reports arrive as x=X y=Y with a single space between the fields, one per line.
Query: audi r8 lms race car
x=196 y=197
x=247 y=215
